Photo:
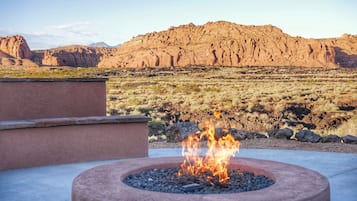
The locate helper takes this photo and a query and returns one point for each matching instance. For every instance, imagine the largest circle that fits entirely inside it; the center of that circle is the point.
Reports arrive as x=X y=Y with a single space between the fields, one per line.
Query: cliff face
x=212 y=44
x=228 y=44
x=15 y=46
x=345 y=50
x=14 y=51
x=76 y=56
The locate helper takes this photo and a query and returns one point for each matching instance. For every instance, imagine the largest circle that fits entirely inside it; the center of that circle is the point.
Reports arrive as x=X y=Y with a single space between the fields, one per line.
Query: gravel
x=167 y=180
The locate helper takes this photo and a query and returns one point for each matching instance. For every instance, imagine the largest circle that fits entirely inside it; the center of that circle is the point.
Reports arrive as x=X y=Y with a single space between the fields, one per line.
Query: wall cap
x=71 y=121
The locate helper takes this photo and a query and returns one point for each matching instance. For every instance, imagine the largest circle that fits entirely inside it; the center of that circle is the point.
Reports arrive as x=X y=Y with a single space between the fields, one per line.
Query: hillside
x=74 y=55
x=228 y=44
x=212 y=44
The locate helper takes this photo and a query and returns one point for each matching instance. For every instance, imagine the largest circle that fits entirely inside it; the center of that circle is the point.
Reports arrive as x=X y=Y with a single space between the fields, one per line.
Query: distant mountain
x=100 y=44
x=212 y=44
x=228 y=44
x=71 y=55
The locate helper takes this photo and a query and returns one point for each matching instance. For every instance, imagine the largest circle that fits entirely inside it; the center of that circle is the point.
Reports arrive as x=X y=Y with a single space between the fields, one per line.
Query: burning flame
x=215 y=160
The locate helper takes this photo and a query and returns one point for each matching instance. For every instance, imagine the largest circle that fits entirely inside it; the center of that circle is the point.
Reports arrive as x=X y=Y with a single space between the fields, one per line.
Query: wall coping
x=71 y=121
x=53 y=79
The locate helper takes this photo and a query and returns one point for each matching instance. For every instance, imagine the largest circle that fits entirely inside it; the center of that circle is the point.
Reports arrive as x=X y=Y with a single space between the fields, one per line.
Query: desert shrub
x=347 y=128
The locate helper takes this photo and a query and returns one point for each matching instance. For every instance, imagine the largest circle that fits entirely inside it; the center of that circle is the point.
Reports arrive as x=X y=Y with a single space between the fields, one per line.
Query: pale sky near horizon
x=52 y=23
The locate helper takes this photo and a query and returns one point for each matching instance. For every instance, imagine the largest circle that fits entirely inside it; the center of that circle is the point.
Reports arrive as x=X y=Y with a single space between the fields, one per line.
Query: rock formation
x=76 y=56
x=14 y=51
x=212 y=44
x=345 y=50
x=15 y=46
x=229 y=44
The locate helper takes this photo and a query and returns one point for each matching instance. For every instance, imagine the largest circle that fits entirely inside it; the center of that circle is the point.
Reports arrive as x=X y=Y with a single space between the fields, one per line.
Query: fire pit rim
x=90 y=184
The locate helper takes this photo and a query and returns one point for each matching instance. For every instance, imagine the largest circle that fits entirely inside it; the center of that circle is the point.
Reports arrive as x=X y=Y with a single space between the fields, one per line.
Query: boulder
x=285 y=133
x=237 y=134
x=179 y=131
x=156 y=128
x=255 y=135
x=307 y=136
x=331 y=138
x=350 y=139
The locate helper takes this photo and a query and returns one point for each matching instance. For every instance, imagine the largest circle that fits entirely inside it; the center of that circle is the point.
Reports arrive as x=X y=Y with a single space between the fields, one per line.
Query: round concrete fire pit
x=105 y=183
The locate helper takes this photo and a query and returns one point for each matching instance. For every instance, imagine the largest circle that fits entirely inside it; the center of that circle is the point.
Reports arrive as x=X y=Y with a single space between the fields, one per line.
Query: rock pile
x=179 y=131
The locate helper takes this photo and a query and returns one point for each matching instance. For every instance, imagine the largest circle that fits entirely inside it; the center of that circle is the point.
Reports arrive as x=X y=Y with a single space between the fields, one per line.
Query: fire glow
x=215 y=161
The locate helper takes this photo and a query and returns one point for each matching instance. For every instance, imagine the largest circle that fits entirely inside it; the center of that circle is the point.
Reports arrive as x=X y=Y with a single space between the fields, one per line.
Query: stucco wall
x=28 y=147
x=49 y=98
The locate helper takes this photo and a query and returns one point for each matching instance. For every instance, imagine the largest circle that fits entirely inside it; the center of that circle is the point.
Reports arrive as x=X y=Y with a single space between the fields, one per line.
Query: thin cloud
x=78 y=29
x=71 y=26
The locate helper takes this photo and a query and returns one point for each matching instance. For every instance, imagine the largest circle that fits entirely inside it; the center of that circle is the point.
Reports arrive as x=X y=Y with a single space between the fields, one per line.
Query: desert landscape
x=219 y=43
x=178 y=100
x=259 y=78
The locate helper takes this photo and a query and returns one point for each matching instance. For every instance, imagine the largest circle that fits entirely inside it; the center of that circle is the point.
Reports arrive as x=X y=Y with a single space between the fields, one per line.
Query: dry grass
x=253 y=98
x=256 y=96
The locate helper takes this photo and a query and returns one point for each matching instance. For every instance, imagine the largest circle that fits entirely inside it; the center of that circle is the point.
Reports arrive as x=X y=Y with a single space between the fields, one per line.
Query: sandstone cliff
x=76 y=56
x=229 y=44
x=212 y=44
x=345 y=50
x=14 y=51
x=15 y=46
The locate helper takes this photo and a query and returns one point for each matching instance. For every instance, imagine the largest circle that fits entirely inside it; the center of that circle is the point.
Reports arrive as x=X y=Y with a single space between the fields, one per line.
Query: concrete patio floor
x=53 y=183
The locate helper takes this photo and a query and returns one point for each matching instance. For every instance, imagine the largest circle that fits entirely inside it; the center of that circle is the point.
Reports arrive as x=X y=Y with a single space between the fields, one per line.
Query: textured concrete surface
x=294 y=183
x=54 y=183
x=51 y=98
x=30 y=147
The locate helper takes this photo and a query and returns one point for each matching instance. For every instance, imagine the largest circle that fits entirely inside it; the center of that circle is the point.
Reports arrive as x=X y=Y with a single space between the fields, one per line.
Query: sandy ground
x=271 y=143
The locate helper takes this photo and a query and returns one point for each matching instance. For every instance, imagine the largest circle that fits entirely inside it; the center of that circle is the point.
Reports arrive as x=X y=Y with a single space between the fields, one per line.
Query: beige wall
x=48 y=98
x=28 y=147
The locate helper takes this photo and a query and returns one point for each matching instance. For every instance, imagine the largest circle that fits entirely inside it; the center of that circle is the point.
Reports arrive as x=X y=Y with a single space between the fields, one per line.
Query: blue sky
x=53 y=23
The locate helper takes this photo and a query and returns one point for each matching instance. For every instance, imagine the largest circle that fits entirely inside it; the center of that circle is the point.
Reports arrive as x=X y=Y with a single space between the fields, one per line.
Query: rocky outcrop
x=212 y=44
x=229 y=44
x=15 y=46
x=345 y=50
x=14 y=51
x=75 y=56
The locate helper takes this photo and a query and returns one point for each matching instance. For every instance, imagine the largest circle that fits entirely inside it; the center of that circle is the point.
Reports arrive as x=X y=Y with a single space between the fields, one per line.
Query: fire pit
x=201 y=176
x=105 y=183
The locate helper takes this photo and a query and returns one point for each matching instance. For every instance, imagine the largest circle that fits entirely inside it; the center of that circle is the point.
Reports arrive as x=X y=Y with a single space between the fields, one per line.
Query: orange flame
x=215 y=160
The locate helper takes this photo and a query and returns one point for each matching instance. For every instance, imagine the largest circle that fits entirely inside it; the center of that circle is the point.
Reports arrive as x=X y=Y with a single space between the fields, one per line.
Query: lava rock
x=237 y=134
x=285 y=133
x=331 y=138
x=167 y=180
x=179 y=131
x=255 y=135
x=271 y=133
x=156 y=128
x=350 y=139
x=307 y=136
x=191 y=187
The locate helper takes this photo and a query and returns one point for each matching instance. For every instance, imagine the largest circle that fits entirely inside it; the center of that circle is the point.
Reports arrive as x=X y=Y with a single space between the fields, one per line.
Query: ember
x=214 y=161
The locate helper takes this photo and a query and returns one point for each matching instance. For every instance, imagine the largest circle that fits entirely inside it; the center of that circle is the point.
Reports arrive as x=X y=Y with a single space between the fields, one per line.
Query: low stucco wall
x=65 y=140
x=50 y=98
